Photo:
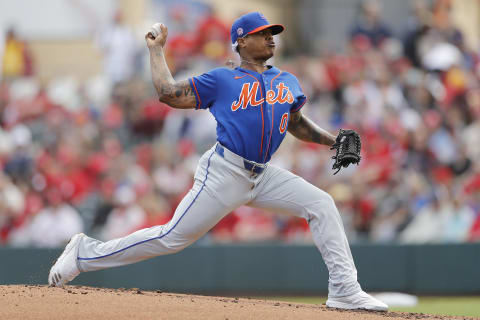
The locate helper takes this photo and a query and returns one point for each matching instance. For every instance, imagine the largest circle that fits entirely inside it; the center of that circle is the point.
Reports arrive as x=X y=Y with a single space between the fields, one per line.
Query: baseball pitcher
x=254 y=106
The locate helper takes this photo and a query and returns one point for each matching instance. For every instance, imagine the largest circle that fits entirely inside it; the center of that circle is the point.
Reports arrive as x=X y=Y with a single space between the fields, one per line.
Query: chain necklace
x=257 y=64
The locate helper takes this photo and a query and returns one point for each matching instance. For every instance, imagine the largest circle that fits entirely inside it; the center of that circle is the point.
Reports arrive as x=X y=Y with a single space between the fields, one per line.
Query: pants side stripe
x=163 y=235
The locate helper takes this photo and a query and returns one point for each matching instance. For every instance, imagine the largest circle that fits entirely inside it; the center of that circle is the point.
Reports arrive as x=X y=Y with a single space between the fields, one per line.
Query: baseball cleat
x=360 y=300
x=65 y=268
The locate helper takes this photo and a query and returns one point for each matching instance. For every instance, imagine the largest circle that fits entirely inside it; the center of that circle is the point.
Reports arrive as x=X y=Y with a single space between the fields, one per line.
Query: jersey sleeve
x=300 y=98
x=205 y=89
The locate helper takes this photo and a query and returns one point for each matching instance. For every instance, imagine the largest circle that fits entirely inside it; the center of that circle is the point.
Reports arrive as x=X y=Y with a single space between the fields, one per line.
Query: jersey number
x=283 y=123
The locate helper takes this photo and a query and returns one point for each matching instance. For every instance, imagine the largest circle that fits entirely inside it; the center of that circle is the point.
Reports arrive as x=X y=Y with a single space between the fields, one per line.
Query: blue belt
x=228 y=155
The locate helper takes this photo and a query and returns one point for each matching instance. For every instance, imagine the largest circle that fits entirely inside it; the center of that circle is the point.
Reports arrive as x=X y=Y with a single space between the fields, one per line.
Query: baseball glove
x=347 y=147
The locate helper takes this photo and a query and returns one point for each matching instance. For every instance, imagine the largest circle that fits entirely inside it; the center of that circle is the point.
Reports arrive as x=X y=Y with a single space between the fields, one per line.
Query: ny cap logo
x=239 y=31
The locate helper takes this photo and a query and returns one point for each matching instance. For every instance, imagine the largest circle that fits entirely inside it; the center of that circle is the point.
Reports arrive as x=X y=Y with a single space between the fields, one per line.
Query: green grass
x=451 y=306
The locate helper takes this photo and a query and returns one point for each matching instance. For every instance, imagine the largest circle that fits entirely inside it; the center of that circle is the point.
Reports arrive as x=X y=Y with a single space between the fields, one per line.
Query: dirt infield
x=73 y=302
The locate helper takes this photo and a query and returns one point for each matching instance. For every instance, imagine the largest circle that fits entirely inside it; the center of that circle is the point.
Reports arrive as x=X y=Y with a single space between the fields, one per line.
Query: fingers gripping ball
x=155 y=30
x=347 y=146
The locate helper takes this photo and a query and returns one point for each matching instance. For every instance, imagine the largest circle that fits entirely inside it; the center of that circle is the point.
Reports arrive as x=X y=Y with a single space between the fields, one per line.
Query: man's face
x=259 y=45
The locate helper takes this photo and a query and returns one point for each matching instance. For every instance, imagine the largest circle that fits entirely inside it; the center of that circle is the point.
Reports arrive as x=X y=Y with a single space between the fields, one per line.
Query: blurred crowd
x=106 y=158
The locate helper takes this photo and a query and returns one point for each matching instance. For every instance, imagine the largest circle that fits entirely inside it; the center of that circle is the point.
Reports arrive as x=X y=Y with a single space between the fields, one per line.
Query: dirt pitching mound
x=75 y=302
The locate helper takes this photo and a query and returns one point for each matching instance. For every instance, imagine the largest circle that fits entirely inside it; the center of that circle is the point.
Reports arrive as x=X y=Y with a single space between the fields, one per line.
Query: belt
x=234 y=158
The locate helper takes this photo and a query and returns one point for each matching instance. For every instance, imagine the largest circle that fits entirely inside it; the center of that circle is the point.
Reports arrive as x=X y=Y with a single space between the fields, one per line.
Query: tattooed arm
x=176 y=94
x=304 y=129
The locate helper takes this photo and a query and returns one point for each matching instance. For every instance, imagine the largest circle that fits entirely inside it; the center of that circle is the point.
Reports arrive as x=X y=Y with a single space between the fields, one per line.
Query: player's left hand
x=348 y=146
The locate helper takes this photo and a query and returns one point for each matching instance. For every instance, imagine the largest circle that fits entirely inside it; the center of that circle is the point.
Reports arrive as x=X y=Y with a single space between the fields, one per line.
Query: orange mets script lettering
x=288 y=97
x=248 y=96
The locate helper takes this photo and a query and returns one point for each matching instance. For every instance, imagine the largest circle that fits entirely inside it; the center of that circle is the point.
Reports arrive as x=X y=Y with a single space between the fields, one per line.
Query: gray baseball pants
x=221 y=185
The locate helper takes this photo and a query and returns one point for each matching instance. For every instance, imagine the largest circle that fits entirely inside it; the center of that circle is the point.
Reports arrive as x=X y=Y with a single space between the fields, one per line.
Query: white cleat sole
x=346 y=306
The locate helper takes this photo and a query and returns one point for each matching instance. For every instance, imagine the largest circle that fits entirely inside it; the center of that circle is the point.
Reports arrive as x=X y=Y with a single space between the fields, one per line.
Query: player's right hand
x=160 y=40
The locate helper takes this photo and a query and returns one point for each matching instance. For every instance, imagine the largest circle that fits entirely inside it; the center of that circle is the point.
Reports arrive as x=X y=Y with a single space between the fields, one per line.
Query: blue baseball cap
x=250 y=23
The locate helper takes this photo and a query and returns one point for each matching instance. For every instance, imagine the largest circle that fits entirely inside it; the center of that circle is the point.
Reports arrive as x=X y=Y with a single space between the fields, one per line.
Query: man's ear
x=241 y=42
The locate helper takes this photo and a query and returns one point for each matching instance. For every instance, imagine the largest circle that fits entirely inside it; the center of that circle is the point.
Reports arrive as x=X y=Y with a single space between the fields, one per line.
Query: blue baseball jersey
x=252 y=110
